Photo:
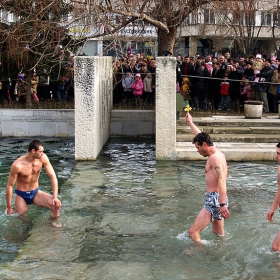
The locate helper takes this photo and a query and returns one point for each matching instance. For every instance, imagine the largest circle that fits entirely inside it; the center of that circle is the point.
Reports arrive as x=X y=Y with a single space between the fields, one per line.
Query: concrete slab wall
x=61 y=123
x=132 y=123
x=166 y=108
x=29 y=122
x=93 y=104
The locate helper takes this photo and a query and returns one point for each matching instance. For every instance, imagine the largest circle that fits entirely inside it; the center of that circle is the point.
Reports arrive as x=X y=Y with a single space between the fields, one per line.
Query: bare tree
x=32 y=32
x=241 y=21
x=165 y=15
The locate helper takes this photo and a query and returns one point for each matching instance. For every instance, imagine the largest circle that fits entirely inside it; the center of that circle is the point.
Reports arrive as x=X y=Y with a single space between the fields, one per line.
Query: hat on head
x=268 y=60
x=258 y=55
x=209 y=62
x=137 y=75
x=273 y=58
x=167 y=53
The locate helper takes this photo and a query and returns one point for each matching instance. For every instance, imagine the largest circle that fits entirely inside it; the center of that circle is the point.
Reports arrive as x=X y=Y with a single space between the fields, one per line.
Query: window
x=192 y=19
x=266 y=19
x=209 y=16
x=276 y=18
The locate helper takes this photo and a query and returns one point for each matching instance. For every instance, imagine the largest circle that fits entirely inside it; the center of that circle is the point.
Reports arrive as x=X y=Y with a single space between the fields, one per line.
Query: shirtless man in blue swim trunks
x=215 y=209
x=25 y=172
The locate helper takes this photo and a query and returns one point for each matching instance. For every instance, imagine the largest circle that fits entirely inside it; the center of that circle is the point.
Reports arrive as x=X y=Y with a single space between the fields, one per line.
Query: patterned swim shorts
x=212 y=205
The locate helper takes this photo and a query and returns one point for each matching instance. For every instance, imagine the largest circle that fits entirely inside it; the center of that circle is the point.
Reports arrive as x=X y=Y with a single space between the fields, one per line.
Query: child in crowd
x=225 y=94
x=137 y=86
x=249 y=71
x=127 y=82
x=247 y=91
x=185 y=91
x=34 y=85
x=149 y=86
x=209 y=67
x=257 y=66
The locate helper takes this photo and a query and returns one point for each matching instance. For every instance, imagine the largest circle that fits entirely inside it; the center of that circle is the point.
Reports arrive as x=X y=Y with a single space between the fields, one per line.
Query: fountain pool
x=126 y=216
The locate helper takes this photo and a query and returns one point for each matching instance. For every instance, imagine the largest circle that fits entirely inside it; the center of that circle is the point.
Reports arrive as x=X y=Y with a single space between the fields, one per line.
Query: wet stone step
x=231 y=130
x=237 y=138
x=234 y=122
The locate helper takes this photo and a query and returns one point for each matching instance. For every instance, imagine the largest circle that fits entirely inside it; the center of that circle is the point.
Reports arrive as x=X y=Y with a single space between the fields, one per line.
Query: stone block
x=253 y=109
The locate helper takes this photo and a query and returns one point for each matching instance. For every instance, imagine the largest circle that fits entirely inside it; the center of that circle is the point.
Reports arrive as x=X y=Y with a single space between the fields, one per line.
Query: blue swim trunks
x=27 y=196
x=212 y=205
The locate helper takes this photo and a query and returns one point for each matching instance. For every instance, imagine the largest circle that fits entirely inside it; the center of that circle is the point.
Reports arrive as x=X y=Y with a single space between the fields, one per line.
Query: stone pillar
x=93 y=104
x=165 y=108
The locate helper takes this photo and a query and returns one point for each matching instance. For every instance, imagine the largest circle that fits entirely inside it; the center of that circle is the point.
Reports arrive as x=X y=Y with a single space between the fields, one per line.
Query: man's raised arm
x=193 y=127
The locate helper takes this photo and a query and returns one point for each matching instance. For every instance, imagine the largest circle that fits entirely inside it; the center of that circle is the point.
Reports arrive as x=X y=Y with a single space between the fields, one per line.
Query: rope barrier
x=210 y=78
x=233 y=80
x=188 y=76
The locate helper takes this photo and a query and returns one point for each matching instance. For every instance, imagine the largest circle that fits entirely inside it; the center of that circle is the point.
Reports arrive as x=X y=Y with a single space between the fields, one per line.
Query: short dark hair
x=278 y=145
x=35 y=144
x=203 y=137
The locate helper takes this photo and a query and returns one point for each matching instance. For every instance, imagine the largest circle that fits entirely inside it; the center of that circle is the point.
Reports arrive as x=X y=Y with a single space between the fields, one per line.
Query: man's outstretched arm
x=193 y=127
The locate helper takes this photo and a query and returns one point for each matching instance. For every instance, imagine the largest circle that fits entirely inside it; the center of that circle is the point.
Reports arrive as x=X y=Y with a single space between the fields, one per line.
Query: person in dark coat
x=200 y=85
x=261 y=87
x=186 y=67
x=214 y=85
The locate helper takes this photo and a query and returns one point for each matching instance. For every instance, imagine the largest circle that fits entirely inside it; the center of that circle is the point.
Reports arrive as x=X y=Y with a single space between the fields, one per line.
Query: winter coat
x=148 y=83
x=224 y=88
x=200 y=85
x=137 y=87
x=34 y=83
x=247 y=90
x=127 y=82
x=273 y=88
x=249 y=73
x=266 y=74
x=185 y=88
x=257 y=65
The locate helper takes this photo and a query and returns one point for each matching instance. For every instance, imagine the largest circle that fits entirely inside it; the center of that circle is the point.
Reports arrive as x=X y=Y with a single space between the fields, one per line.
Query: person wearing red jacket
x=225 y=93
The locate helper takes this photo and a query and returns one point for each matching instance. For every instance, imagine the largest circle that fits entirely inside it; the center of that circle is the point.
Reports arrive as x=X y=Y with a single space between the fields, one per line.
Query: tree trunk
x=166 y=41
x=28 y=96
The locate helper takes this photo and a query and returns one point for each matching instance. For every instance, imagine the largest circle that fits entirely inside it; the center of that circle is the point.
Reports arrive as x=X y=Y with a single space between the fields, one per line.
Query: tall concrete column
x=93 y=105
x=165 y=108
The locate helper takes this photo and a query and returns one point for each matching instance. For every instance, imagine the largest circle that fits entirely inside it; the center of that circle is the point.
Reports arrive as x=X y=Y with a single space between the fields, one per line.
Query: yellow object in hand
x=188 y=108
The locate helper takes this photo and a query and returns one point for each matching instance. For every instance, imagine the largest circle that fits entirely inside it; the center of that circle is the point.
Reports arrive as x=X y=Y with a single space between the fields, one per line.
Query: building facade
x=240 y=27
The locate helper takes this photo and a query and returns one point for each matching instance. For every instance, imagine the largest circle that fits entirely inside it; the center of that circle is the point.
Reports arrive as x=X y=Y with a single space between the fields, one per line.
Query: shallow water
x=126 y=216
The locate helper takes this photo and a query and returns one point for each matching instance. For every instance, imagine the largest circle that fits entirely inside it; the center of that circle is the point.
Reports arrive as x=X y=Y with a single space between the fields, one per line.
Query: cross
x=188 y=108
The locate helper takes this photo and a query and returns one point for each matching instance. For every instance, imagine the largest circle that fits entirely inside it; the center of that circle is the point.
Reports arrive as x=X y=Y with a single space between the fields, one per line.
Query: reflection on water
x=126 y=216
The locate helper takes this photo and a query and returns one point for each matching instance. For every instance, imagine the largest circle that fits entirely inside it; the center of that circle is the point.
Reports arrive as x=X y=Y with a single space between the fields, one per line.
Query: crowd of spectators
x=224 y=83
x=215 y=83
x=134 y=79
x=42 y=87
